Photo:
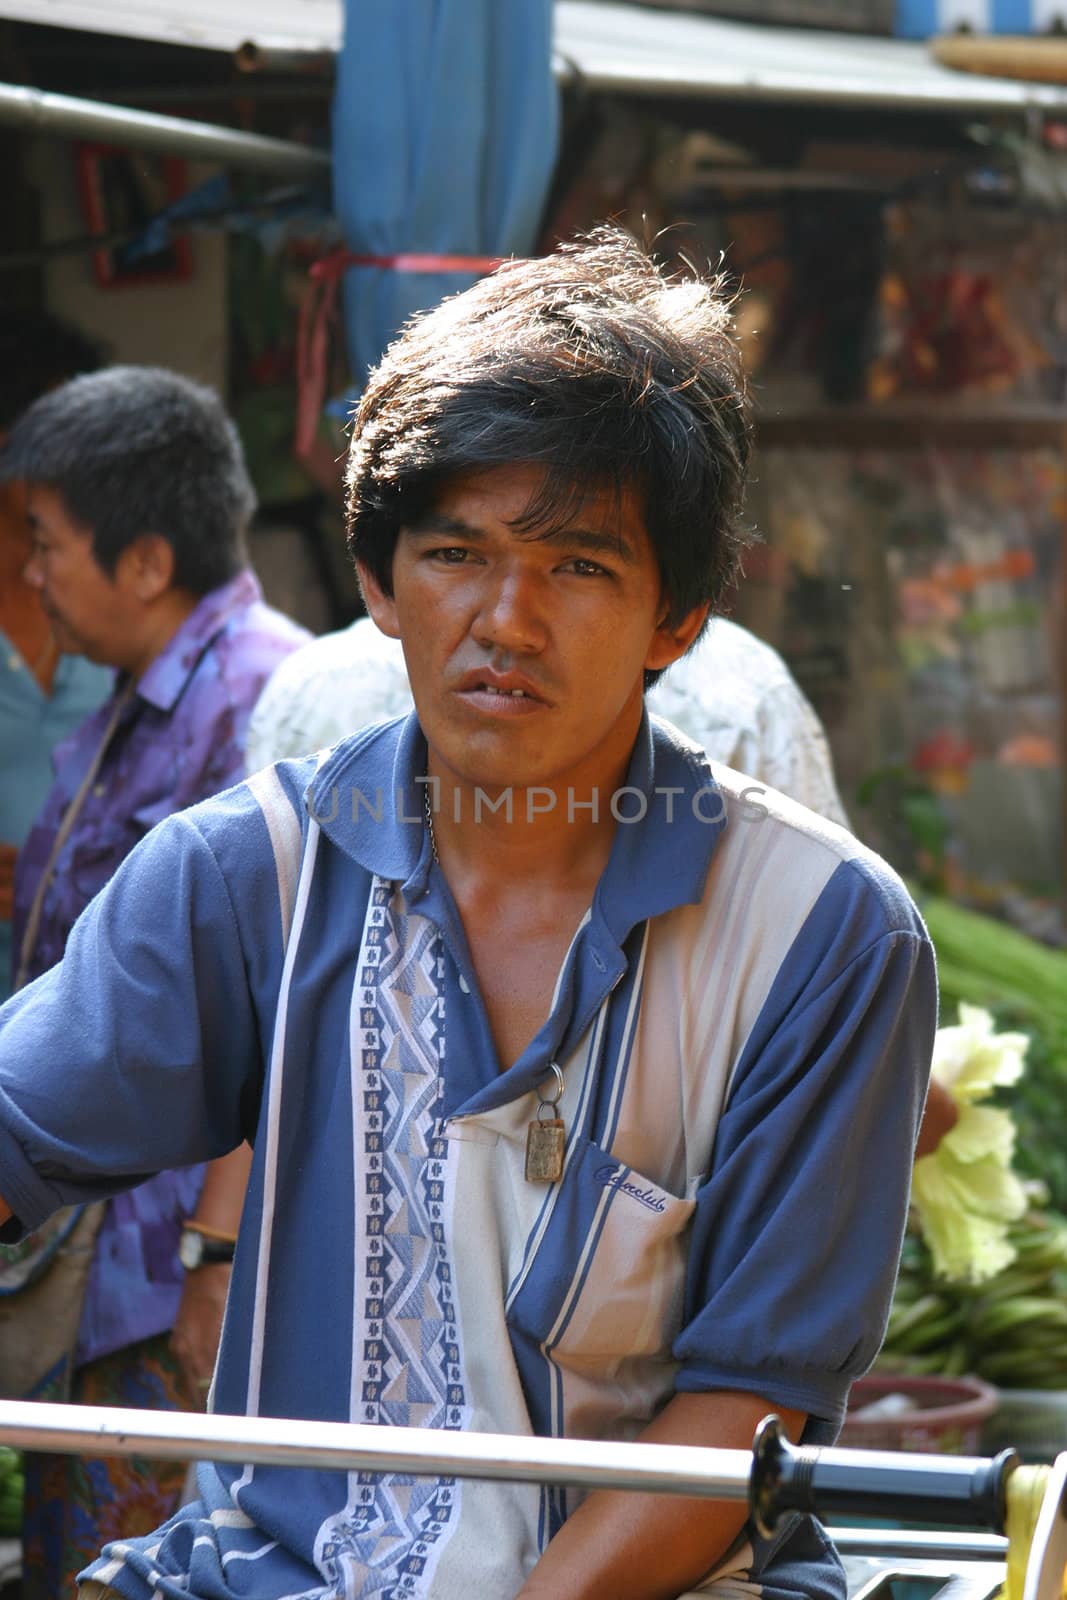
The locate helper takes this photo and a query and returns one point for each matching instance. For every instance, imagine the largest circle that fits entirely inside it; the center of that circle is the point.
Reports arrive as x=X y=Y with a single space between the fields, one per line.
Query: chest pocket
x=607 y=1281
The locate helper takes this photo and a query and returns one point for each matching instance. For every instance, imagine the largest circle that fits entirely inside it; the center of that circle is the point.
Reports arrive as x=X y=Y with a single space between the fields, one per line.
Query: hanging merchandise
x=969 y=305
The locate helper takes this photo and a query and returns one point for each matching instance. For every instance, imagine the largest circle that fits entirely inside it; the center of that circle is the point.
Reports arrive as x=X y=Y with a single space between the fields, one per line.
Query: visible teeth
x=491 y=688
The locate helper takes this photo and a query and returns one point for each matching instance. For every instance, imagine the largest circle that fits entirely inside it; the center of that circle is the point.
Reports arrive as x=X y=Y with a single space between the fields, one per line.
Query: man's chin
x=64 y=642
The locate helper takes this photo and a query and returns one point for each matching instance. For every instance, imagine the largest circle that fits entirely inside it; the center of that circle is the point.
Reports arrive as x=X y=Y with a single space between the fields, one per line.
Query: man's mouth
x=504 y=685
x=515 y=694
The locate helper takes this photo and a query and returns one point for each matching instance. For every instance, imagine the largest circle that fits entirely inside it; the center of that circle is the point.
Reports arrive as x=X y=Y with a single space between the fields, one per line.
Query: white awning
x=624 y=48
x=646 y=50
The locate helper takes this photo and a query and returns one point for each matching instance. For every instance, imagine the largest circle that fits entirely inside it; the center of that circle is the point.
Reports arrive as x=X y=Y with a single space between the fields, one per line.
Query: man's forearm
x=223 y=1194
x=194 y=1338
x=620 y=1546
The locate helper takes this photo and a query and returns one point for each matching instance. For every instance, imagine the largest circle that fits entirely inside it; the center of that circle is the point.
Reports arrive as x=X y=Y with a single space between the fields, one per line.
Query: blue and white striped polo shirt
x=743 y=1021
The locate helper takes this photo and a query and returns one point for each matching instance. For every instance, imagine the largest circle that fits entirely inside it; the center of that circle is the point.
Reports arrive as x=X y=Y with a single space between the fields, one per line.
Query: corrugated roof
x=303 y=25
x=629 y=48
x=645 y=49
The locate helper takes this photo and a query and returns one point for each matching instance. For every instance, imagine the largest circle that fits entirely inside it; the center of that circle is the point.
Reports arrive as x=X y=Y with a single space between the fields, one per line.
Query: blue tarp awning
x=444 y=142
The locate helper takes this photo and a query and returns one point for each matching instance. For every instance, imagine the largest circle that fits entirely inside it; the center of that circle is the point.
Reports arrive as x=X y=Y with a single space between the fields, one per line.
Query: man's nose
x=32 y=573
x=512 y=614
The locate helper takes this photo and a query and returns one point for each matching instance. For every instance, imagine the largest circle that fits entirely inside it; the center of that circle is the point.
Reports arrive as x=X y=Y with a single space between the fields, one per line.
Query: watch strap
x=210 y=1252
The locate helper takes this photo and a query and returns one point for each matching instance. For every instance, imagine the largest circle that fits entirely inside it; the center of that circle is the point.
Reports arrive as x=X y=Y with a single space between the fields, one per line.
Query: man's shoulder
x=257 y=634
x=779 y=854
x=228 y=677
x=791 y=906
x=364 y=760
x=346 y=657
x=245 y=826
x=366 y=757
x=252 y=837
x=811 y=845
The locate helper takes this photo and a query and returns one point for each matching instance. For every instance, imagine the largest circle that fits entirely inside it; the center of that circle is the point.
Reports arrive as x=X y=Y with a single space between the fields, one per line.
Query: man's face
x=91 y=614
x=526 y=654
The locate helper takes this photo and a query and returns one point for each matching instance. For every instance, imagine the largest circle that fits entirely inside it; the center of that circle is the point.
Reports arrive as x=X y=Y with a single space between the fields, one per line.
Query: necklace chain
x=428 y=808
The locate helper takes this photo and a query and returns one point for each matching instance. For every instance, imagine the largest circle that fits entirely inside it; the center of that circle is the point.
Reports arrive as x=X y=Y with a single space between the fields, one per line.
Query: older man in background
x=138 y=501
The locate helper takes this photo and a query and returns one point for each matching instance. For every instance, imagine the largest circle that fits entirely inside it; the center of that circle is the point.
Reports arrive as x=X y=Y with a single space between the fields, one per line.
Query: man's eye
x=587 y=569
x=453 y=555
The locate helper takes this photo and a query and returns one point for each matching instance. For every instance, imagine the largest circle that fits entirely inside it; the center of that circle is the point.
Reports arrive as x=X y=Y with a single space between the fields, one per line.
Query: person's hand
x=195 y=1336
x=7 y=881
x=940 y=1117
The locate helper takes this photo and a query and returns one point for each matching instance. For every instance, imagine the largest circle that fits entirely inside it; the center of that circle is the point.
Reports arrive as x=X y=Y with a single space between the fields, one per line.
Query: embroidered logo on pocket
x=615 y=1178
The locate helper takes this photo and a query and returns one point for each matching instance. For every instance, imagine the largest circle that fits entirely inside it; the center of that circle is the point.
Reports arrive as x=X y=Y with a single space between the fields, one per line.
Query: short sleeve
x=797 y=1229
x=139 y=1051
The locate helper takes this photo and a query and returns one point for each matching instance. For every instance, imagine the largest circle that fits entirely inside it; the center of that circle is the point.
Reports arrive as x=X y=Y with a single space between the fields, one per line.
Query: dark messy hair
x=591 y=363
x=140 y=450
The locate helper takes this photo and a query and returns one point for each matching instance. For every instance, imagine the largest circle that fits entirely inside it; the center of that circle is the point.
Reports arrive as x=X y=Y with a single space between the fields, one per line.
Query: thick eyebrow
x=435 y=524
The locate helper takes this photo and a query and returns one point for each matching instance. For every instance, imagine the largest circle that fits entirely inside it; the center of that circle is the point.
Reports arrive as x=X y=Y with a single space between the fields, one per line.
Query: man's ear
x=146 y=567
x=671 y=640
x=381 y=607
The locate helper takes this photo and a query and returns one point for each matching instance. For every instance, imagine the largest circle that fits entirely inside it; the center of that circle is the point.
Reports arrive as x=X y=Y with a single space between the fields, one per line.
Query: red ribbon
x=339 y=261
x=318 y=311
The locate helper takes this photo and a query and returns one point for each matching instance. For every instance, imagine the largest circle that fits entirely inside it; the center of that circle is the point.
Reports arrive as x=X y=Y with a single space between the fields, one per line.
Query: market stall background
x=898 y=232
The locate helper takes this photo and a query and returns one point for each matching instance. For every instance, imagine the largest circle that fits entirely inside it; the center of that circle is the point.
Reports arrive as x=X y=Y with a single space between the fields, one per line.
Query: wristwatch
x=196 y=1250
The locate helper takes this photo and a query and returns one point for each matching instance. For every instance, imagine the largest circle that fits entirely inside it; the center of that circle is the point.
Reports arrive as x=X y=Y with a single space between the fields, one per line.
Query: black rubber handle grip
x=960 y=1491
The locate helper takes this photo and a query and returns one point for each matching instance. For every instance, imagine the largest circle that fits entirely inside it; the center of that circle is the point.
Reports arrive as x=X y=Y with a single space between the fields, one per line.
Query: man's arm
x=195 y=1336
x=165 y=1054
x=622 y=1546
x=939 y=1117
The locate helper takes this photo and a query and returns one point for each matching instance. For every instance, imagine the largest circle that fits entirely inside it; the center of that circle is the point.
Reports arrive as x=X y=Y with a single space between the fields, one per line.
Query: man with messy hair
x=567 y=1066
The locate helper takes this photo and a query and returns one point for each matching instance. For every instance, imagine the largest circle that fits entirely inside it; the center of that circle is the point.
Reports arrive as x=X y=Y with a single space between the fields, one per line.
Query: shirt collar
x=366 y=799
x=166 y=677
x=369 y=799
x=674 y=814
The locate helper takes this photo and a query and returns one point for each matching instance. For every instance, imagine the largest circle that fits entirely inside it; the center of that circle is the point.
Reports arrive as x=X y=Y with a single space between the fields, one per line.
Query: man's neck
x=522 y=884
x=158 y=626
x=535 y=835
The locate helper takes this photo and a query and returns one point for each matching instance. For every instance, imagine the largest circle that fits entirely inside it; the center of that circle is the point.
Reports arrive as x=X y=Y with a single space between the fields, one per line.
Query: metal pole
x=72 y=118
x=357 y=1447
x=774 y=1477
x=912 y=1544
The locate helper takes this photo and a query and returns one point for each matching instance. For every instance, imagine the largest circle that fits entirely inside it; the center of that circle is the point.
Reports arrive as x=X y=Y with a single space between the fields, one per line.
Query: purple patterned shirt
x=180 y=739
